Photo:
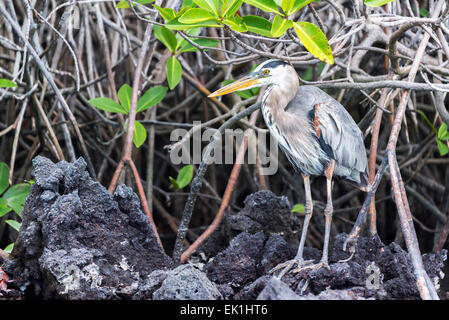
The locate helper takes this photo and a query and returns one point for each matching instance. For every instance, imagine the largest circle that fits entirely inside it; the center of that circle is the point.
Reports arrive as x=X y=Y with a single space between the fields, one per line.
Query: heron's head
x=271 y=72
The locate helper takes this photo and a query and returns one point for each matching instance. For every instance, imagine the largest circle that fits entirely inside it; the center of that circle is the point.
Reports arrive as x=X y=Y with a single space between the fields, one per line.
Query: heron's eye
x=266 y=72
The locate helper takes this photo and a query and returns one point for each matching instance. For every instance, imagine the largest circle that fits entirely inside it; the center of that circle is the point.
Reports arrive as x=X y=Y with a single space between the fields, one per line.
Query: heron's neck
x=278 y=96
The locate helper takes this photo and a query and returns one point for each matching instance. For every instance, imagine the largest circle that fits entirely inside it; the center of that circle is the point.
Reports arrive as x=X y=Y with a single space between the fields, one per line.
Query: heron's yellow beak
x=241 y=84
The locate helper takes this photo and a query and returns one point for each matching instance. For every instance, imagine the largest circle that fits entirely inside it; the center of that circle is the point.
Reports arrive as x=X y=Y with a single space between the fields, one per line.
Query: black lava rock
x=79 y=242
x=237 y=264
x=264 y=211
x=187 y=283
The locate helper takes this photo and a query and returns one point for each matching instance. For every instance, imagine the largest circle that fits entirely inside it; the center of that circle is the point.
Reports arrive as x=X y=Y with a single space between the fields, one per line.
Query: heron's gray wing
x=340 y=132
x=337 y=132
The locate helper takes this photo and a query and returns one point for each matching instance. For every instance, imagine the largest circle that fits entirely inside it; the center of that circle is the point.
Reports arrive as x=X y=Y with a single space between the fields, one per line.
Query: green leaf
x=235 y=23
x=297 y=5
x=314 y=41
x=185 y=175
x=258 y=25
x=428 y=121
x=442 y=147
x=151 y=97
x=124 y=3
x=166 y=37
x=280 y=26
x=201 y=42
x=174 y=183
x=16 y=196
x=441 y=131
x=4 y=209
x=187 y=4
x=188 y=48
x=183 y=42
x=174 y=72
x=193 y=32
x=5 y=83
x=166 y=13
x=145 y=1
x=176 y=25
x=299 y=208
x=124 y=96
x=423 y=12
x=4 y=177
x=14 y=224
x=445 y=136
x=185 y=46
x=218 y=4
x=195 y=15
x=140 y=134
x=181 y=12
x=230 y=7
x=108 y=104
x=208 y=5
x=3 y=202
x=9 y=248
x=286 y=5
x=265 y=5
x=376 y=3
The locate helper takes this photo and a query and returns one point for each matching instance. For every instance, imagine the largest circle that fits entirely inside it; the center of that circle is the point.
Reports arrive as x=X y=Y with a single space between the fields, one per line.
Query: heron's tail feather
x=364 y=188
x=364 y=182
x=359 y=180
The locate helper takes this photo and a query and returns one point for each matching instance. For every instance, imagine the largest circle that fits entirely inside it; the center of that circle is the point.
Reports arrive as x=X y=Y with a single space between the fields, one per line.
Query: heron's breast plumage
x=294 y=135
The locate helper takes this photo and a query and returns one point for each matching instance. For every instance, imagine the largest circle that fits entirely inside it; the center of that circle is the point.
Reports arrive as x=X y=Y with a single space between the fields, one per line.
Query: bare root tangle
x=391 y=72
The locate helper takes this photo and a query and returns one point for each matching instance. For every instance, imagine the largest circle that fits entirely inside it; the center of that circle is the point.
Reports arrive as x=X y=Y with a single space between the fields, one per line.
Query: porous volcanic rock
x=187 y=283
x=237 y=264
x=374 y=271
x=267 y=212
x=77 y=241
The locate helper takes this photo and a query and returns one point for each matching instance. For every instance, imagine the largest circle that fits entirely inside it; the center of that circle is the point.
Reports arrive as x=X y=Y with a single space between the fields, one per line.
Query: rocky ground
x=79 y=242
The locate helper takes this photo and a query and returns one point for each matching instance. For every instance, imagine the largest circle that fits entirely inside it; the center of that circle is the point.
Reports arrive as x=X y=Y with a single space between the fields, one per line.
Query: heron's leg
x=298 y=259
x=308 y=216
x=328 y=215
x=328 y=211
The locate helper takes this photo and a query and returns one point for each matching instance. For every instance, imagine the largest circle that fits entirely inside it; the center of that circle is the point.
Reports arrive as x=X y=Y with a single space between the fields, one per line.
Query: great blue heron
x=315 y=132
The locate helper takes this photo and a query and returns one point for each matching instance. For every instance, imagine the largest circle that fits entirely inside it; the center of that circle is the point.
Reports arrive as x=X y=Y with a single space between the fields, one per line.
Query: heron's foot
x=288 y=265
x=316 y=266
x=349 y=246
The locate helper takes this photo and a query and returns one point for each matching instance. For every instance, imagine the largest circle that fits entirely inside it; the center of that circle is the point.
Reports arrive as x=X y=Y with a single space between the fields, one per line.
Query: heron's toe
x=288 y=265
x=316 y=266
